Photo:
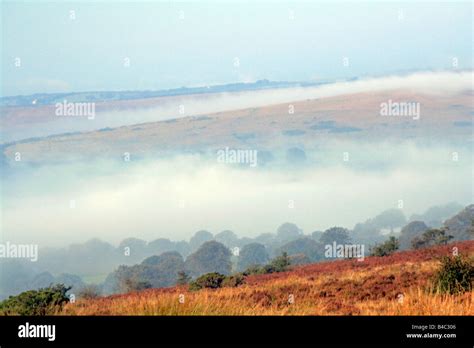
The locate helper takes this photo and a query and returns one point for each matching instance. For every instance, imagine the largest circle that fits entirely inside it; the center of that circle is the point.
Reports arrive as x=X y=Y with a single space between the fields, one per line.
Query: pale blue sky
x=59 y=54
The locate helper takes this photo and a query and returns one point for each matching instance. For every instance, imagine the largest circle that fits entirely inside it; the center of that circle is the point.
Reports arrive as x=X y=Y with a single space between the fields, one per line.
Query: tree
x=15 y=277
x=71 y=280
x=183 y=278
x=233 y=281
x=339 y=235
x=367 y=233
x=295 y=156
x=90 y=258
x=162 y=271
x=168 y=259
x=299 y=259
x=386 y=248
x=278 y=264
x=409 y=232
x=130 y=284
x=281 y=263
x=435 y=215
x=265 y=238
x=211 y=257
x=431 y=237
x=154 y=271
x=199 y=238
x=461 y=225
x=42 y=280
x=288 y=231
x=312 y=250
x=251 y=255
x=160 y=245
x=228 y=238
x=209 y=280
x=89 y=291
x=316 y=235
x=390 y=219
x=133 y=249
x=183 y=248
x=46 y=301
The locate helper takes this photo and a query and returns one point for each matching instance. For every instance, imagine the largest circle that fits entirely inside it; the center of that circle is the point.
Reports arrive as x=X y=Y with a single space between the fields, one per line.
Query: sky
x=174 y=44
x=112 y=45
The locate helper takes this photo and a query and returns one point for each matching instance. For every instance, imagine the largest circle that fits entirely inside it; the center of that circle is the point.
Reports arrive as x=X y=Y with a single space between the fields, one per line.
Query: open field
x=392 y=285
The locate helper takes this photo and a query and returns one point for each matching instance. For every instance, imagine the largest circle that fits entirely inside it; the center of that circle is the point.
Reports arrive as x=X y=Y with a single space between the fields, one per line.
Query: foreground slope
x=392 y=285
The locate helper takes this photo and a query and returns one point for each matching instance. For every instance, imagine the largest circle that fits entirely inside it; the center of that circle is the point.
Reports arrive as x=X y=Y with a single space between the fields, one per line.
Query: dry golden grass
x=395 y=285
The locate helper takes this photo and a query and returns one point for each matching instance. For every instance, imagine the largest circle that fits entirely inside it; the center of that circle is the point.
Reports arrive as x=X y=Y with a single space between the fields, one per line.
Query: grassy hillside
x=391 y=285
x=315 y=122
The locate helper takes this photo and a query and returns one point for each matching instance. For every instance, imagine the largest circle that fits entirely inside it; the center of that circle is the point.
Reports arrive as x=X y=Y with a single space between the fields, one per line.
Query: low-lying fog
x=173 y=198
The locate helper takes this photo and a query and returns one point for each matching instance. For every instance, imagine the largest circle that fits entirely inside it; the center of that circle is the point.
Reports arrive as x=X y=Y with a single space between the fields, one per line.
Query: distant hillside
x=315 y=124
x=52 y=98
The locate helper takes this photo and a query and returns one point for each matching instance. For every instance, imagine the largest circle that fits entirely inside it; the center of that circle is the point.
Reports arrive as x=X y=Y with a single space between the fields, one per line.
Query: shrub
x=211 y=257
x=209 y=280
x=216 y=280
x=411 y=231
x=455 y=275
x=280 y=263
x=267 y=269
x=130 y=284
x=255 y=269
x=89 y=292
x=310 y=249
x=44 y=301
x=252 y=254
x=386 y=248
x=431 y=237
x=339 y=235
x=233 y=281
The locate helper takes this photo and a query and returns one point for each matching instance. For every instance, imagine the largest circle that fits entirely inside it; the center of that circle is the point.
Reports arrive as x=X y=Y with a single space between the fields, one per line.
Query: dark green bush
x=209 y=280
x=44 y=301
x=255 y=269
x=267 y=269
x=280 y=263
x=216 y=280
x=386 y=248
x=233 y=281
x=455 y=275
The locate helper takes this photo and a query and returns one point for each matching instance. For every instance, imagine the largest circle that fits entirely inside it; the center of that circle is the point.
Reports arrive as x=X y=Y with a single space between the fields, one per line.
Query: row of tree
x=139 y=258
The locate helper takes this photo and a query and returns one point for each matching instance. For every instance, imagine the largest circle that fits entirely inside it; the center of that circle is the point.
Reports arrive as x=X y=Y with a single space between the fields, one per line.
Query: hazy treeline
x=161 y=260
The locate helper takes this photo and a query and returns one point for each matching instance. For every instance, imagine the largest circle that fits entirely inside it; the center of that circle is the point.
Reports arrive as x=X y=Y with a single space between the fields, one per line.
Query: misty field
x=398 y=284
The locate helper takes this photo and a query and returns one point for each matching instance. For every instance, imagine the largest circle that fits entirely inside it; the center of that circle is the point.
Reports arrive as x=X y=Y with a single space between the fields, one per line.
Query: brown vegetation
x=393 y=285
